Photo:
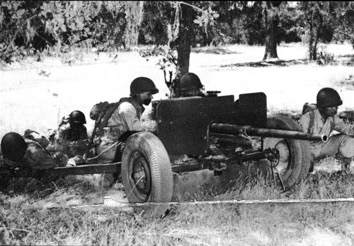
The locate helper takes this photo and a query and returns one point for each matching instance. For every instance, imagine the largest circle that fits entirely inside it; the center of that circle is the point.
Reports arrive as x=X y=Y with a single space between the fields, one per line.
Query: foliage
x=167 y=57
x=323 y=56
x=37 y=25
x=17 y=23
x=30 y=27
x=291 y=26
x=155 y=24
x=344 y=23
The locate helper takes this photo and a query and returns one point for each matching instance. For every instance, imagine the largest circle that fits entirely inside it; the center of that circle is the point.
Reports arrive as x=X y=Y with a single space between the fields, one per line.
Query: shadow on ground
x=204 y=185
x=281 y=63
x=345 y=60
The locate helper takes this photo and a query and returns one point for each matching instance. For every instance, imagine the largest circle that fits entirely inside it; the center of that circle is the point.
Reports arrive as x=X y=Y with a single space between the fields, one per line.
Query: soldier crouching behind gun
x=322 y=118
x=121 y=120
x=189 y=85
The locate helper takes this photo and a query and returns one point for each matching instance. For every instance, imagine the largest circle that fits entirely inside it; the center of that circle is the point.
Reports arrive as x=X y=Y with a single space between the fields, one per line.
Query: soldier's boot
x=312 y=165
x=345 y=162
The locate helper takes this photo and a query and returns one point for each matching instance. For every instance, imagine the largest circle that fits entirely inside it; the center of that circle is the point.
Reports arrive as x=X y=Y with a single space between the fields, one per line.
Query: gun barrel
x=265 y=132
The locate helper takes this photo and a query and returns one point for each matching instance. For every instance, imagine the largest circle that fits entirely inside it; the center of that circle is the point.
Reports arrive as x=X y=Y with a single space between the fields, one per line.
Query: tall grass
x=26 y=220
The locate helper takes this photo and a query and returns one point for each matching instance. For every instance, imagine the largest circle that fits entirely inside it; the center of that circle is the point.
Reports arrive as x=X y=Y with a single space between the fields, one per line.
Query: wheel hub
x=140 y=178
x=284 y=156
x=141 y=174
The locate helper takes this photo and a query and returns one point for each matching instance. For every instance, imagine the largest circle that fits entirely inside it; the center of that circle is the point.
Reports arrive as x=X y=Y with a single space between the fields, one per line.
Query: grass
x=36 y=95
x=24 y=221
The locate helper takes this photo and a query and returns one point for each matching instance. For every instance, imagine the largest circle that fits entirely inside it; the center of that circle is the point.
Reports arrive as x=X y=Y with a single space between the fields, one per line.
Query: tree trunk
x=184 y=40
x=134 y=17
x=271 y=23
x=315 y=26
x=311 y=38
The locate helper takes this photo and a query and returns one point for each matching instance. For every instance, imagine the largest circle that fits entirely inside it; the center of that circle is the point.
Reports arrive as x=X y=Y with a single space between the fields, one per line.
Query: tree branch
x=190 y=5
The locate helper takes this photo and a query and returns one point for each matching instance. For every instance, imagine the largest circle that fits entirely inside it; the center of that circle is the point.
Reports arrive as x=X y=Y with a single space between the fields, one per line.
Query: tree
x=271 y=11
x=183 y=18
x=344 y=20
x=185 y=38
x=314 y=21
x=321 y=20
x=134 y=12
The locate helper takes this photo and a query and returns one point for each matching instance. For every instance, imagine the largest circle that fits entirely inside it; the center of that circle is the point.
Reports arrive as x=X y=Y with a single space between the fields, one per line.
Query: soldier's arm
x=83 y=133
x=343 y=126
x=129 y=116
x=305 y=122
x=63 y=132
x=38 y=158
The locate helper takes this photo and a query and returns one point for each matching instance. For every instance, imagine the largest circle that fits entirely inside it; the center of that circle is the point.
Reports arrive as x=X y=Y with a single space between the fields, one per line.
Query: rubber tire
x=299 y=163
x=4 y=181
x=306 y=160
x=148 y=147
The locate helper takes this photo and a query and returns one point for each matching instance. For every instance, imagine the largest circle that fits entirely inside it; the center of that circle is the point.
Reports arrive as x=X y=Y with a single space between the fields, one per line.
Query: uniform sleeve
x=305 y=123
x=63 y=132
x=83 y=133
x=343 y=127
x=114 y=119
x=129 y=116
x=37 y=158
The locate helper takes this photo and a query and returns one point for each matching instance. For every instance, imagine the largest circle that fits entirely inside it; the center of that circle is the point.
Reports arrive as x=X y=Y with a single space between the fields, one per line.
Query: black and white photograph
x=177 y=123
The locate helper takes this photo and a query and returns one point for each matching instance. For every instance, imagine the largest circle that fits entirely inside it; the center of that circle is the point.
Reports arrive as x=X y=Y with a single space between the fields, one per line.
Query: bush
x=29 y=27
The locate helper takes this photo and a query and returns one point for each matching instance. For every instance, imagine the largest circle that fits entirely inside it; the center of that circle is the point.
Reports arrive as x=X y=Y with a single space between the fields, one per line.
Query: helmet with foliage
x=77 y=117
x=13 y=146
x=328 y=97
x=141 y=85
x=190 y=81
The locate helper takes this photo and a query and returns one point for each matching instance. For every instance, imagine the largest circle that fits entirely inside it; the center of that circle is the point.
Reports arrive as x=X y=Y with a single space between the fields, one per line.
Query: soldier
x=323 y=119
x=71 y=136
x=19 y=151
x=188 y=85
x=73 y=128
x=125 y=119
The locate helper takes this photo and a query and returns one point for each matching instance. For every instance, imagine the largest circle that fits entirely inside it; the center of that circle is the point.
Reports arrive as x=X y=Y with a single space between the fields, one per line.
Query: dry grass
x=23 y=221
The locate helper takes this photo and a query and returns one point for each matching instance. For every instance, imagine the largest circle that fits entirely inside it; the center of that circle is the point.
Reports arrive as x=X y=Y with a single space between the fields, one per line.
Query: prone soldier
x=29 y=153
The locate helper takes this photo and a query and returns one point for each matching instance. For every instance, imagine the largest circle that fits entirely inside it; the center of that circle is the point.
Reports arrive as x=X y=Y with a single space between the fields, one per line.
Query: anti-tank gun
x=196 y=127
x=193 y=126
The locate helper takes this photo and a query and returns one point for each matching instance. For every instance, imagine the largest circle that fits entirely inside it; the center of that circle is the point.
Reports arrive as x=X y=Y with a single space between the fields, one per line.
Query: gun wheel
x=294 y=157
x=146 y=170
x=4 y=181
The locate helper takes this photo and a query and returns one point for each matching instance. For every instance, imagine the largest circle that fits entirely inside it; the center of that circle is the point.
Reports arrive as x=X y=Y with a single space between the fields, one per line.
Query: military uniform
x=37 y=157
x=125 y=118
x=341 y=134
x=70 y=141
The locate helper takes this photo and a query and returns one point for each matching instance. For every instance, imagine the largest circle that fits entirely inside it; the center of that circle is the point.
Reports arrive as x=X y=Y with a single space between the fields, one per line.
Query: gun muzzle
x=265 y=132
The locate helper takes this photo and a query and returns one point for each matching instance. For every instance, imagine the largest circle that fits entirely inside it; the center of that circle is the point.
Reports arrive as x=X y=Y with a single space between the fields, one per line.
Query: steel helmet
x=328 y=97
x=142 y=84
x=77 y=117
x=13 y=146
x=190 y=81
